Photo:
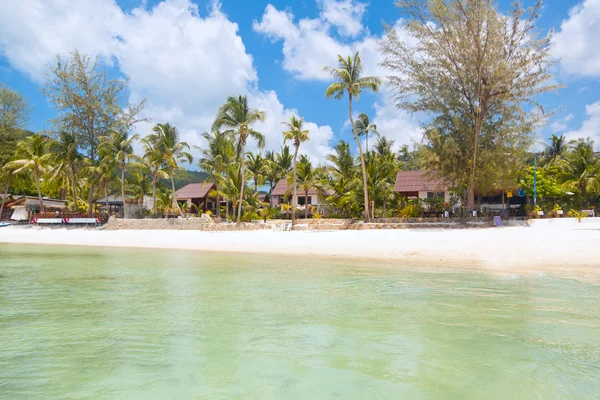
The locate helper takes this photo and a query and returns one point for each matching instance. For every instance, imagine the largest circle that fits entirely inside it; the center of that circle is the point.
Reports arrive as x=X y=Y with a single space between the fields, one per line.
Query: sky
x=187 y=56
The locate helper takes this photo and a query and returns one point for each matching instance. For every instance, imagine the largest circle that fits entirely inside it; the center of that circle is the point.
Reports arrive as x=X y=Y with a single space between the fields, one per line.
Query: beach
x=562 y=246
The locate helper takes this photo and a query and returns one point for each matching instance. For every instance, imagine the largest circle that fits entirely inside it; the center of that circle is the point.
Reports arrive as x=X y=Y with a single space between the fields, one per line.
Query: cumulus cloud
x=184 y=63
x=590 y=127
x=308 y=45
x=345 y=15
x=561 y=124
x=576 y=41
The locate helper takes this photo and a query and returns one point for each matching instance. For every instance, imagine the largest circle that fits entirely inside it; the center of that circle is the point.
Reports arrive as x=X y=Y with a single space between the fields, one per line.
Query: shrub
x=209 y=213
x=412 y=210
x=576 y=214
x=317 y=216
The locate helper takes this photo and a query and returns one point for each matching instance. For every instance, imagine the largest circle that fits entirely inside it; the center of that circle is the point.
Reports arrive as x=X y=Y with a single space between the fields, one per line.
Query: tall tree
x=89 y=103
x=297 y=134
x=238 y=118
x=581 y=168
x=349 y=79
x=256 y=164
x=139 y=186
x=155 y=162
x=216 y=156
x=67 y=159
x=556 y=150
x=477 y=71
x=167 y=140
x=119 y=147
x=14 y=116
x=364 y=127
x=307 y=179
x=32 y=156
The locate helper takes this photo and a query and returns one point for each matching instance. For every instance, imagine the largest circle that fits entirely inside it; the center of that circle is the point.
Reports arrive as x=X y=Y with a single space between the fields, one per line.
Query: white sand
x=548 y=245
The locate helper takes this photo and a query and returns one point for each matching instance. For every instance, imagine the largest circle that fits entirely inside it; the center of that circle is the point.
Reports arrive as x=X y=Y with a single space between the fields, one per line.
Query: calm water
x=92 y=323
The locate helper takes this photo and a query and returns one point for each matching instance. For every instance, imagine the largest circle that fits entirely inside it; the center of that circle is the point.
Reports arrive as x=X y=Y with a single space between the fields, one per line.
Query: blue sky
x=187 y=56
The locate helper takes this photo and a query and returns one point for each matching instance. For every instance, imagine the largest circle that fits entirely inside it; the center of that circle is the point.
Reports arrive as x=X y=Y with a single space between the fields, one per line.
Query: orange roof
x=195 y=191
x=418 y=181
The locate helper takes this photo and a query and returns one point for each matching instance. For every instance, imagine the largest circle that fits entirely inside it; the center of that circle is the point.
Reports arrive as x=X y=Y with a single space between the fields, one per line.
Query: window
x=302 y=200
x=431 y=195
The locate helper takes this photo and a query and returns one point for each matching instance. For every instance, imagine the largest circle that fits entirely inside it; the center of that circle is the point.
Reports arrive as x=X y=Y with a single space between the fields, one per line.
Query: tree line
x=474 y=72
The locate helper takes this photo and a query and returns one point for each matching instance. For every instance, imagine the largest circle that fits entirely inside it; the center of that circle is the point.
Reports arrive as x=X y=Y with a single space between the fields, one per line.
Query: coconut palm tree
x=307 y=179
x=166 y=138
x=348 y=79
x=66 y=159
x=154 y=161
x=32 y=156
x=118 y=147
x=364 y=127
x=164 y=199
x=139 y=186
x=556 y=150
x=218 y=153
x=297 y=134
x=581 y=168
x=238 y=118
x=256 y=164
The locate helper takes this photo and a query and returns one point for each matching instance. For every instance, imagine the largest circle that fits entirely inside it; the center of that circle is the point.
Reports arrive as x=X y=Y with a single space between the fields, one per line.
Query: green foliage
x=546 y=183
x=577 y=214
x=412 y=210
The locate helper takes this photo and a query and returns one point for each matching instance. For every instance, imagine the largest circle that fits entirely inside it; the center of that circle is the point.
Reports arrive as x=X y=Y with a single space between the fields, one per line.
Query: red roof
x=418 y=181
x=195 y=191
x=282 y=188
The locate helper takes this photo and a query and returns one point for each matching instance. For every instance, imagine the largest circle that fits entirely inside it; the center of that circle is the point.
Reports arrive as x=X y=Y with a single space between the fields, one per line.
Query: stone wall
x=181 y=224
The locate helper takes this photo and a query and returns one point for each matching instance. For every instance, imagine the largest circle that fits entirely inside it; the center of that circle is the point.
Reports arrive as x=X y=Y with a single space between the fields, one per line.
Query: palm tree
x=297 y=134
x=216 y=156
x=257 y=165
x=67 y=159
x=343 y=180
x=364 y=127
x=167 y=141
x=164 y=199
x=307 y=179
x=348 y=77
x=139 y=186
x=118 y=146
x=154 y=161
x=237 y=116
x=581 y=169
x=32 y=156
x=556 y=150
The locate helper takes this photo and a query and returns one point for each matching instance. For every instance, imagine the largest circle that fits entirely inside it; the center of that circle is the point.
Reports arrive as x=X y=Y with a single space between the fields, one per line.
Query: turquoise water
x=129 y=324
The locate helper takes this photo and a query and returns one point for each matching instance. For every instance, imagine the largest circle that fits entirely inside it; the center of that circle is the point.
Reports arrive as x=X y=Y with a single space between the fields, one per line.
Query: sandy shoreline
x=559 y=246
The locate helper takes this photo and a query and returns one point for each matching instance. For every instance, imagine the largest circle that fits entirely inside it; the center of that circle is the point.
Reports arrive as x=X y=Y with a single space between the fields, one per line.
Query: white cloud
x=590 y=127
x=561 y=124
x=308 y=46
x=345 y=15
x=184 y=63
x=576 y=42
x=316 y=148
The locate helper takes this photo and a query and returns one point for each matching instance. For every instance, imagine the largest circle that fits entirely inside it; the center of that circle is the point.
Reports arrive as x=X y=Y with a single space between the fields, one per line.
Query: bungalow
x=282 y=193
x=24 y=207
x=197 y=194
x=420 y=184
x=115 y=204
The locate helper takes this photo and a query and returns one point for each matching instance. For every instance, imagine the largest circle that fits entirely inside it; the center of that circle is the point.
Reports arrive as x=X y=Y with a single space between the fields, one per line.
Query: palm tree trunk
x=123 y=191
x=362 y=162
x=227 y=210
x=90 y=199
x=294 y=195
x=306 y=204
x=141 y=204
x=74 y=188
x=37 y=184
x=218 y=207
x=5 y=195
x=239 y=215
x=154 y=196
x=175 y=203
x=106 y=193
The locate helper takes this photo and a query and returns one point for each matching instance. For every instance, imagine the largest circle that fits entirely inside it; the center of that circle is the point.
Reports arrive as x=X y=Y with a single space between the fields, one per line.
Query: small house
x=420 y=184
x=197 y=196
